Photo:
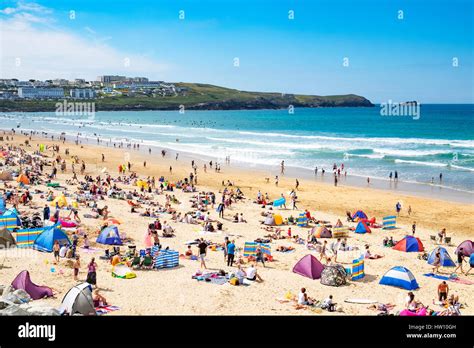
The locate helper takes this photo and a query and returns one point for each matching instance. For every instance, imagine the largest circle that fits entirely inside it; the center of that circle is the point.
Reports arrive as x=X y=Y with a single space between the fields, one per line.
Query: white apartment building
x=82 y=93
x=39 y=92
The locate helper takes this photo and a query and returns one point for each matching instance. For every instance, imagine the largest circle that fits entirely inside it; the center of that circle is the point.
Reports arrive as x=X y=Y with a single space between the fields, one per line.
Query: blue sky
x=389 y=58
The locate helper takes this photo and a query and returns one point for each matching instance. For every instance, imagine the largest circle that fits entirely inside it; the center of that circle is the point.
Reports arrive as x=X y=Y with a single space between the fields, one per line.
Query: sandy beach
x=174 y=292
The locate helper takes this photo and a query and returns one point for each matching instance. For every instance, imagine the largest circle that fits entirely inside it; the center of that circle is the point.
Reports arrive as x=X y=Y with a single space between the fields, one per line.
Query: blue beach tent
x=445 y=259
x=400 y=277
x=45 y=241
x=109 y=235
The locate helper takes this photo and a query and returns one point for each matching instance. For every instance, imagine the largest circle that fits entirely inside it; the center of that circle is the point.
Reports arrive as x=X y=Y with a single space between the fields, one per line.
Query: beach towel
x=436 y=276
x=287 y=251
x=105 y=309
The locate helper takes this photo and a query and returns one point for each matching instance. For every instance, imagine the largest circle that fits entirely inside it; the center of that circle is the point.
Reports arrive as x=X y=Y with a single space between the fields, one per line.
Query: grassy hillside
x=196 y=96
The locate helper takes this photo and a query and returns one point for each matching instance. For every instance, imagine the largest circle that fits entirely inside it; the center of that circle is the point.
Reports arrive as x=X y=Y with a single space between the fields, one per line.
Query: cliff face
x=198 y=97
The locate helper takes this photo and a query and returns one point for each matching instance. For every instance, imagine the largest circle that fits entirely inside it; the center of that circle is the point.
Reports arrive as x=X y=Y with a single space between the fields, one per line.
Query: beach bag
x=234 y=281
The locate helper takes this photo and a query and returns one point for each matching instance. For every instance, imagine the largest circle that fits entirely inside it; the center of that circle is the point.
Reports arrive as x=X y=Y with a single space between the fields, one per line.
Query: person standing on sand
x=436 y=262
x=335 y=180
x=297 y=184
x=144 y=164
x=46 y=212
x=103 y=158
x=56 y=248
x=413 y=228
x=92 y=272
x=282 y=167
x=171 y=170
x=202 y=246
x=440 y=177
x=368 y=181
x=76 y=265
x=398 y=208
x=409 y=210
x=230 y=253
x=276 y=180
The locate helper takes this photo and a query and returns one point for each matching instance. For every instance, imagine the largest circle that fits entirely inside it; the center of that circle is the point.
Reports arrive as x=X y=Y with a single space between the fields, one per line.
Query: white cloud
x=45 y=51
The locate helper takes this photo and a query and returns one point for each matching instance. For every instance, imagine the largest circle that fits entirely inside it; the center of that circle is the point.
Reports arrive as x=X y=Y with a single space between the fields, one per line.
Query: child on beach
x=76 y=266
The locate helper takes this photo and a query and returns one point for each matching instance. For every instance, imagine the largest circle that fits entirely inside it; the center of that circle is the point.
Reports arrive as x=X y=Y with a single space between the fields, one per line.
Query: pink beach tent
x=23 y=281
x=309 y=266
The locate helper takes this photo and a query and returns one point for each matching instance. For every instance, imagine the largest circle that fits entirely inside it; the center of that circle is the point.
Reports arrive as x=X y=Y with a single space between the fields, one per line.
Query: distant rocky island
x=196 y=96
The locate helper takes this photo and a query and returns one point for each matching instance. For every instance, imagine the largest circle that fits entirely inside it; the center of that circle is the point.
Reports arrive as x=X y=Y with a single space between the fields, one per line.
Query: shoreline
x=417 y=189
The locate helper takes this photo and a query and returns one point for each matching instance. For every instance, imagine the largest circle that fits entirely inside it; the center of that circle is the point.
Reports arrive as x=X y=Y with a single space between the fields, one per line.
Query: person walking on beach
x=282 y=167
x=443 y=290
x=293 y=200
x=171 y=170
x=226 y=243
x=335 y=180
x=230 y=253
x=103 y=158
x=409 y=210
x=460 y=260
x=316 y=171
x=276 y=180
x=202 y=246
x=92 y=272
x=177 y=155
x=220 y=209
x=56 y=248
x=398 y=207
x=297 y=184
x=413 y=228
x=440 y=177
x=144 y=164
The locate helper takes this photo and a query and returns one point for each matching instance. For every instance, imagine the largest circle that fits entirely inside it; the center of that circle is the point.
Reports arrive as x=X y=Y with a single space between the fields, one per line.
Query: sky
x=381 y=49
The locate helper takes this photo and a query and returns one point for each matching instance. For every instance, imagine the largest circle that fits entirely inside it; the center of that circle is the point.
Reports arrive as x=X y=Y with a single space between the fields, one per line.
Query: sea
x=370 y=143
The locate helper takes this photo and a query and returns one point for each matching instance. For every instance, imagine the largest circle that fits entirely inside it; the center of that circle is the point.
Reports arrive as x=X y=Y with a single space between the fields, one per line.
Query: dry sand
x=172 y=291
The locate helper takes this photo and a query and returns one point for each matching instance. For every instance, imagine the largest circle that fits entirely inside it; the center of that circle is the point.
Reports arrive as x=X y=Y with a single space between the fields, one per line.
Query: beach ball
x=52 y=270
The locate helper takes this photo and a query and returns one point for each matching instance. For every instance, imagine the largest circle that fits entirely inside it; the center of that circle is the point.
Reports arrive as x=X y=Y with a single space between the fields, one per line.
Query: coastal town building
x=82 y=93
x=40 y=93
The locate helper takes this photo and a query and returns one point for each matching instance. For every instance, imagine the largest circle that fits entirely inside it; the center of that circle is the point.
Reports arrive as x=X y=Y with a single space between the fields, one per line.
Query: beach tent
x=279 y=202
x=10 y=219
x=400 y=277
x=6 y=238
x=22 y=178
x=409 y=244
x=61 y=200
x=334 y=275
x=45 y=241
x=338 y=223
x=164 y=258
x=78 y=300
x=41 y=147
x=109 y=235
x=445 y=259
x=23 y=281
x=309 y=266
x=6 y=176
x=389 y=222
x=467 y=248
x=269 y=220
x=302 y=220
x=26 y=238
x=121 y=270
x=321 y=232
x=359 y=214
x=362 y=228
